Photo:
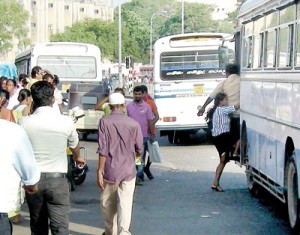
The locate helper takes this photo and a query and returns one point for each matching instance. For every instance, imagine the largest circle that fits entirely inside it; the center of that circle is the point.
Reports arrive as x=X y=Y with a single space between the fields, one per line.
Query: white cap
x=116 y=98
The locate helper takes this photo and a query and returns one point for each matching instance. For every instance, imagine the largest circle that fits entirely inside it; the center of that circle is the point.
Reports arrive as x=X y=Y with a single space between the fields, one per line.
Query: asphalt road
x=179 y=200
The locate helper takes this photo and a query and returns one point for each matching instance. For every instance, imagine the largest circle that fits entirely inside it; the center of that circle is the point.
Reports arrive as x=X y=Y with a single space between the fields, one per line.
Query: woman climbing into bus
x=221 y=136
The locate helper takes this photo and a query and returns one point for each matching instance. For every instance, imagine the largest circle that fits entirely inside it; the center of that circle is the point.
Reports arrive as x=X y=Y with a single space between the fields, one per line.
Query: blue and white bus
x=269 y=38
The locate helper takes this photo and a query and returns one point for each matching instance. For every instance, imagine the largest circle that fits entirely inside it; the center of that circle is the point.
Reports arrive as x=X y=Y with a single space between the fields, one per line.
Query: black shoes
x=147 y=171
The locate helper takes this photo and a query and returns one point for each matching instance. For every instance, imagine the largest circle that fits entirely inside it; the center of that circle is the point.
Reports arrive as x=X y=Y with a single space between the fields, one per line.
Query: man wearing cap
x=120 y=139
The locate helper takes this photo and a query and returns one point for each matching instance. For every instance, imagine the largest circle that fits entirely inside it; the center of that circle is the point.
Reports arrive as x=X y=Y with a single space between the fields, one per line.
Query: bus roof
x=254 y=8
x=194 y=39
x=63 y=48
x=204 y=34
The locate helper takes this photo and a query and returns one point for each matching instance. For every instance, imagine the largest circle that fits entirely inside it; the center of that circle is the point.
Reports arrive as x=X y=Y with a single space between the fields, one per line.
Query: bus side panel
x=178 y=101
x=270 y=120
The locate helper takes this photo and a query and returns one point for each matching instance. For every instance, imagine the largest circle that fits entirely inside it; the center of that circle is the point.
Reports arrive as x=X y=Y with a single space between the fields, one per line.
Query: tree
x=13 y=20
x=136 y=27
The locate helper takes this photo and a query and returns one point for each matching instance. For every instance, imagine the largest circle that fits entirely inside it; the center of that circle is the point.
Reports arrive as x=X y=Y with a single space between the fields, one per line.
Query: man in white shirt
x=16 y=159
x=50 y=133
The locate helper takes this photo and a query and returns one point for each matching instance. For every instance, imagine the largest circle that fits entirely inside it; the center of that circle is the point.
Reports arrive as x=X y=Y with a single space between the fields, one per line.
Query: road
x=179 y=199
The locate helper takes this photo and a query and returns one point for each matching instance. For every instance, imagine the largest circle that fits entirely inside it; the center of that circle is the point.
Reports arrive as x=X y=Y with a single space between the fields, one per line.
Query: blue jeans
x=51 y=201
x=5 y=226
x=140 y=168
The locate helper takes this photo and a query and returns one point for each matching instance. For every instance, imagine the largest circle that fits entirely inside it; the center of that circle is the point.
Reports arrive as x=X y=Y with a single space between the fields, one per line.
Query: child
x=221 y=137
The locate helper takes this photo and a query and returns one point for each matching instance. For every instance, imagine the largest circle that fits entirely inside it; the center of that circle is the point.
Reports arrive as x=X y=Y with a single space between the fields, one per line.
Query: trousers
x=5 y=226
x=50 y=202
x=116 y=201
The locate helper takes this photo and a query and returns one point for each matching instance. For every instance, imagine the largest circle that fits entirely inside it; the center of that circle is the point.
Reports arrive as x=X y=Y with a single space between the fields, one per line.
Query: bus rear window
x=69 y=66
x=190 y=65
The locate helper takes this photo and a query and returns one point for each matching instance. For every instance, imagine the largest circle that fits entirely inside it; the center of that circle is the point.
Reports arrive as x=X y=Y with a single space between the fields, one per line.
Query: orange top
x=153 y=106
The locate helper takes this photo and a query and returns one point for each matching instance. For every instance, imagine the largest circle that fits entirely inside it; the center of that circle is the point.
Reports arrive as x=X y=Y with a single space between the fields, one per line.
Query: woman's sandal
x=217 y=188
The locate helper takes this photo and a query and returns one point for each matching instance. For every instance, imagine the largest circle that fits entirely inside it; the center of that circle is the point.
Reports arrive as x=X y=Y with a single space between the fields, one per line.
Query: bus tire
x=252 y=185
x=292 y=196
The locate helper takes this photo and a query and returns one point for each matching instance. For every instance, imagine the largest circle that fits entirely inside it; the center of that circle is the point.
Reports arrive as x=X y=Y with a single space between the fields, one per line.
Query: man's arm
x=202 y=110
x=25 y=163
x=156 y=116
x=100 y=171
x=101 y=102
x=76 y=155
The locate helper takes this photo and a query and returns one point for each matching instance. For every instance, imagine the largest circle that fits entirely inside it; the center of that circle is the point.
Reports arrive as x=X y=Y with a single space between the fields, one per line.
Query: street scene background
x=179 y=199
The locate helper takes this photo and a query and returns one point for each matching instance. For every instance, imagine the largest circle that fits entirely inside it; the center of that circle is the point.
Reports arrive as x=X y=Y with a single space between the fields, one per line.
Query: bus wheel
x=292 y=196
x=252 y=185
x=173 y=138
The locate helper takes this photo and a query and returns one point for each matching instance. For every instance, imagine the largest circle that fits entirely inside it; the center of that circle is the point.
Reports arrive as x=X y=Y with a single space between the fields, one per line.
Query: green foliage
x=13 y=20
x=136 y=27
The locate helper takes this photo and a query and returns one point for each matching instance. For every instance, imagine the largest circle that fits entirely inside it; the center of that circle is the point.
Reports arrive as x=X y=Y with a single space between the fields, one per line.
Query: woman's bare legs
x=219 y=171
x=236 y=150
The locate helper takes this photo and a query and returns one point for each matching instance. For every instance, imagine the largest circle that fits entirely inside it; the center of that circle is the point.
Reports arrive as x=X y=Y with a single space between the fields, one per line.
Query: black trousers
x=50 y=202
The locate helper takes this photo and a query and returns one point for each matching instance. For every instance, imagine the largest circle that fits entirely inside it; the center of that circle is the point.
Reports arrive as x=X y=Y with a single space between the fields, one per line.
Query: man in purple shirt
x=120 y=139
x=141 y=112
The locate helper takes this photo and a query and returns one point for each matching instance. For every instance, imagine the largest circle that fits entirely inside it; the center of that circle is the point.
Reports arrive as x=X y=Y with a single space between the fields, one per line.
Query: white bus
x=187 y=67
x=72 y=62
x=269 y=36
x=79 y=68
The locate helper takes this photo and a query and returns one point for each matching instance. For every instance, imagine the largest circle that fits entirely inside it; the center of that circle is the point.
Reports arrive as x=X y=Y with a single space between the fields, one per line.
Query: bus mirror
x=223 y=56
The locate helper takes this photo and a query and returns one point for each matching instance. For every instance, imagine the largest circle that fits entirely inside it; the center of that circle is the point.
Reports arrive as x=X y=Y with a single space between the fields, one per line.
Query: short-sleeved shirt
x=230 y=86
x=120 y=138
x=221 y=120
x=50 y=134
x=17 y=163
x=141 y=112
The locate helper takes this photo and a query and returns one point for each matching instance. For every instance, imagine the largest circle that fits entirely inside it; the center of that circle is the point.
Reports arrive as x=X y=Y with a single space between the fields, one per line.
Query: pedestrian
x=25 y=101
x=231 y=87
x=140 y=111
x=145 y=79
x=120 y=139
x=3 y=80
x=23 y=81
x=154 y=110
x=11 y=86
x=54 y=80
x=4 y=112
x=18 y=164
x=36 y=75
x=219 y=115
x=103 y=104
x=50 y=134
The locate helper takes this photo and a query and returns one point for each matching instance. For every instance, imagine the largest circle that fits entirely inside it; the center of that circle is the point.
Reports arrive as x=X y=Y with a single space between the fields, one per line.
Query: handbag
x=154 y=152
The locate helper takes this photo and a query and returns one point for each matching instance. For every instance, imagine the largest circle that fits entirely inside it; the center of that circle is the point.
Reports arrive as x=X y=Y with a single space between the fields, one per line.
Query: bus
x=187 y=67
x=79 y=68
x=269 y=38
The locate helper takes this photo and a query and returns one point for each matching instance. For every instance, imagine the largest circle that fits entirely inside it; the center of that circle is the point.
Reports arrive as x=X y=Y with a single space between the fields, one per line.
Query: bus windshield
x=183 y=65
x=69 y=67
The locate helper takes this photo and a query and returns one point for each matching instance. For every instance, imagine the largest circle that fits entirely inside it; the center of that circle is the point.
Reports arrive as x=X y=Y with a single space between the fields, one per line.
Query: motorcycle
x=76 y=173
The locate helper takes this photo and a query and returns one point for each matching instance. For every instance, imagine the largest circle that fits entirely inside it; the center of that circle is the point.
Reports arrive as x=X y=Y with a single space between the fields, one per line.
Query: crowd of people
x=123 y=135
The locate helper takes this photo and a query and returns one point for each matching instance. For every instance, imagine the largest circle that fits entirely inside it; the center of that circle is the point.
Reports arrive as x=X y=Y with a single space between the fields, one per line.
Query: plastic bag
x=154 y=152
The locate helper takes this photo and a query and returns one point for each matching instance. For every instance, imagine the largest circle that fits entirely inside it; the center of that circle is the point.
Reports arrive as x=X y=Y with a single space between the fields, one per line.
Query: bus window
x=270 y=49
x=283 y=47
x=69 y=67
x=190 y=65
x=297 y=57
